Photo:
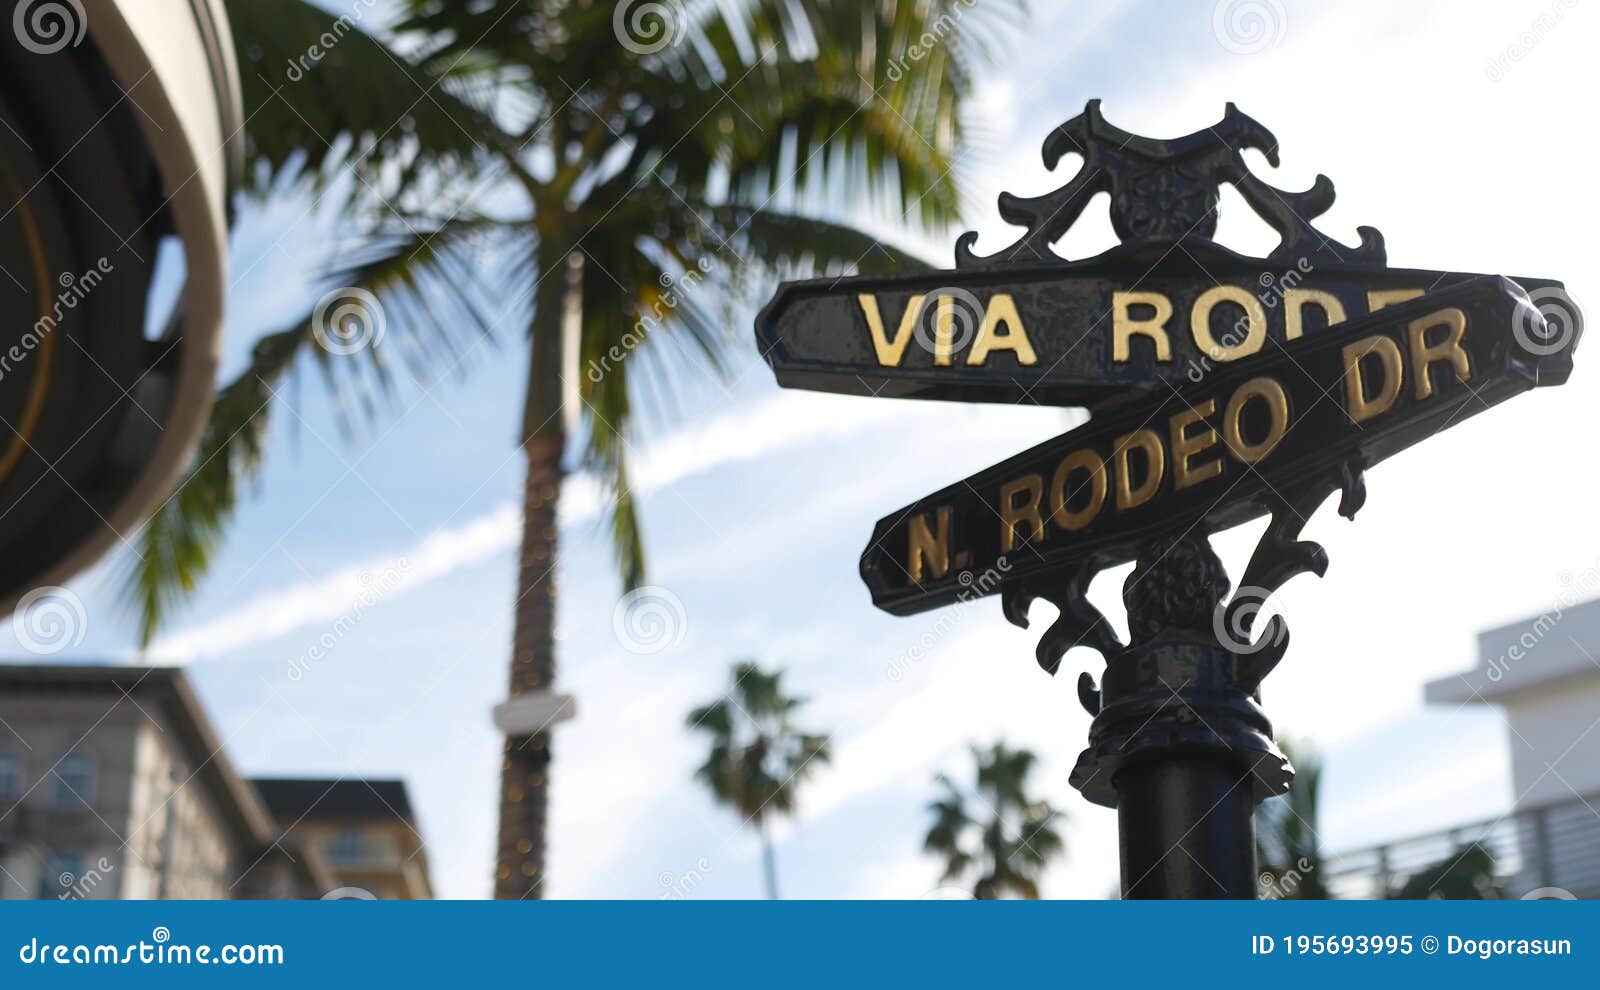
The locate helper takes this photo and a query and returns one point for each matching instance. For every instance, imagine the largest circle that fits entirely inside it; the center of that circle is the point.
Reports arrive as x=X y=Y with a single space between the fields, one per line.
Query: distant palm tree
x=614 y=156
x=1288 y=850
x=758 y=758
x=1466 y=873
x=1290 y=858
x=997 y=835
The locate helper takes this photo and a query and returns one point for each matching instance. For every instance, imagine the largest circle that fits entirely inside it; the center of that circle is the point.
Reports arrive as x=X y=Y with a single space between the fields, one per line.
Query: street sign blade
x=1064 y=333
x=1239 y=441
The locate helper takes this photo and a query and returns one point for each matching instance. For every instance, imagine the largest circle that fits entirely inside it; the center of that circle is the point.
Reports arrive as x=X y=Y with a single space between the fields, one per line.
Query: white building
x=114 y=784
x=1543 y=673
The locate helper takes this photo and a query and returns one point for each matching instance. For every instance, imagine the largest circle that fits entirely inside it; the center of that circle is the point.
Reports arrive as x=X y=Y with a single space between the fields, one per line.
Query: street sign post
x=1221 y=388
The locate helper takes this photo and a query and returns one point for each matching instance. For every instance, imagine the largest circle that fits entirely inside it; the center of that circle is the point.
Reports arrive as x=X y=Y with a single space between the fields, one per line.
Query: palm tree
x=1466 y=873
x=1007 y=845
x=1288 y=850
x=626 y=148
x=1290 y=854
x=758 y=759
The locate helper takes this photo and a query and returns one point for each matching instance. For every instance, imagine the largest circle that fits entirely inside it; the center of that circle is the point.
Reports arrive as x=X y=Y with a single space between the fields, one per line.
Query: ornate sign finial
x=1168 y=190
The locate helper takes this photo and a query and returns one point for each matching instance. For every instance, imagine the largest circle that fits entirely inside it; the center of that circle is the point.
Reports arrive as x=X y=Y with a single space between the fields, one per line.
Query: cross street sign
x=1221 y=450
x=1221 y=388
x=1067 y=333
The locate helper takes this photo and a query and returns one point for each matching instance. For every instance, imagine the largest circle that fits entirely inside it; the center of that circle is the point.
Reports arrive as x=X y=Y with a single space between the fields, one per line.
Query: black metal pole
x=1187 y=830
x=1179 y=745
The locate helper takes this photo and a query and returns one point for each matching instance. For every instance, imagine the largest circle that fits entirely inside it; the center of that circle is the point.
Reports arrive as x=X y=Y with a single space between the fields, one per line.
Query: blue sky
x=757 y=503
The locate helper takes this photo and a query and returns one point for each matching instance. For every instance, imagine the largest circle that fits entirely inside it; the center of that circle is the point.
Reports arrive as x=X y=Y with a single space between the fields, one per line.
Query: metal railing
x=1550 y=850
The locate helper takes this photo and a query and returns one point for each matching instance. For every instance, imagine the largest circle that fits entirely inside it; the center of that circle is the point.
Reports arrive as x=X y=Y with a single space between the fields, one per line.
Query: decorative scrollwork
x=1168 y=190
x=1280 y=555
x=1178 y=592
x=1078 y=624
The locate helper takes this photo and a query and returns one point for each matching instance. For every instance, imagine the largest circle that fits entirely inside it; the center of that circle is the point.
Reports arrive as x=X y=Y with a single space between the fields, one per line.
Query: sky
x=1458 y=129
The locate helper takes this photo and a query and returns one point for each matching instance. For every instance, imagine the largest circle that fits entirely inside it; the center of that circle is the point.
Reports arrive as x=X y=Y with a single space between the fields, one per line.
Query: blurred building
x=362 y=828
x=114 y=784
x=1543 y=673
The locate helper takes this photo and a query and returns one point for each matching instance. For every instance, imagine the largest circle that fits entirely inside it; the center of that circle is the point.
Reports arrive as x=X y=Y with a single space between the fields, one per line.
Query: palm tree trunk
x=525 y=770
x=769 y=860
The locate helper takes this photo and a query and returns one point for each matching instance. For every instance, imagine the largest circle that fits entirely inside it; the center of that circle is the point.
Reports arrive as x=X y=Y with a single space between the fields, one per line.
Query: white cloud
x=325 y=599
x=783 y=421
x=737 y=437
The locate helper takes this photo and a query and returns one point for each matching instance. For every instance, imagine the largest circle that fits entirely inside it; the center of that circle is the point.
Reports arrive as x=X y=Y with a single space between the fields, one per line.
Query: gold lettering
x=1255 y=322
x=1448 y=349
x=1124 y=326
x=1086 y=460
x=1294 y=300
x=1360 y=407
x=1269 y=391
x=1002 y=311
x=890 y=352
x=1379 y=298
x=1184 y=447
x=928 y=551
x=944 y=329
x=1155 y=457
x=1014 y=512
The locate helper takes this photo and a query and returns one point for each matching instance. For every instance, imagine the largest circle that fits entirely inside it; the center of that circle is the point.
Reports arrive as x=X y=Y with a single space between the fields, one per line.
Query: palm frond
x=1016 y=840
x=410 y=292
x=321 y=90
x=715 y=718
x=794 y=244
x=835 y=100
x=758 y=762
x=652 y=310
x=176 y=544
x=951 y=822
